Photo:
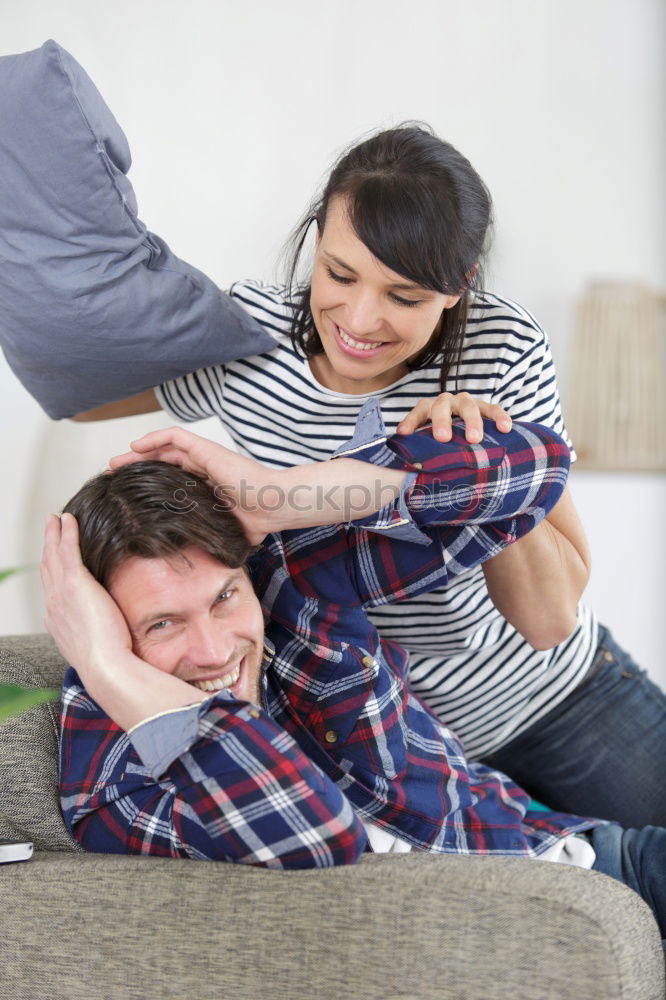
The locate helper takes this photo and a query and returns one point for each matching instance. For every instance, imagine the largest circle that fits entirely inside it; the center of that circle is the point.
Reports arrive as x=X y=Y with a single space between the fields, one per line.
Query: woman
x=505 y=655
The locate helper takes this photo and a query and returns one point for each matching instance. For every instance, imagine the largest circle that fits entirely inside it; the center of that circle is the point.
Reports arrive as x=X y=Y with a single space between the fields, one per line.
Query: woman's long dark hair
x=418 y=206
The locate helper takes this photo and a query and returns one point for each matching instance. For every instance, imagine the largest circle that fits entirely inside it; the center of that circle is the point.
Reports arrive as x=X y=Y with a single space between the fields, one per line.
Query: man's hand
x=269 y=500
x=233 y=476
x=82 y=617
x=92 y=635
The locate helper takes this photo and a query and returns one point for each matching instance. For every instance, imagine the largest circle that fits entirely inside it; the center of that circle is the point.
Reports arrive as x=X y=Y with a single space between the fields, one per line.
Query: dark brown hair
x=152 y=510
x=418 y=206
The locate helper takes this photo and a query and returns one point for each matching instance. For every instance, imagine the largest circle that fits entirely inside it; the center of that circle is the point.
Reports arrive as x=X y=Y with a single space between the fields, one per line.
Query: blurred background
x=234 y=112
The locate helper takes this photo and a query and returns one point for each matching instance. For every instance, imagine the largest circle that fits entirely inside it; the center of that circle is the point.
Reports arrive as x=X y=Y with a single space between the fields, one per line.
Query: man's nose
x=210 y=644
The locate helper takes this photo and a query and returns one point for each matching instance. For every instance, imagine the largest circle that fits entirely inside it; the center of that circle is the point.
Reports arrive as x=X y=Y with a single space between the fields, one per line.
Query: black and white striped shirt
x=467 y=662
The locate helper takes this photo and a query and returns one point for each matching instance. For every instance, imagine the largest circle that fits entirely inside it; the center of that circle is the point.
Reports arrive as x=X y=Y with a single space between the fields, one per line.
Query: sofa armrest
x=409 y=926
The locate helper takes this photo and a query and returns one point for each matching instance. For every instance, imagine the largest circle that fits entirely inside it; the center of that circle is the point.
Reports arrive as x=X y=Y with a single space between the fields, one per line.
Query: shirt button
x=254 y=713
x=331 y=736
x=608 y=656
x=368 y=662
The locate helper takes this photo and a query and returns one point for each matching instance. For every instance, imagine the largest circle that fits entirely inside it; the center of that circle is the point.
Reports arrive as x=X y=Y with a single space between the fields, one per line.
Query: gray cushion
x=29 y=803
x=93 y=307
x=394 y=927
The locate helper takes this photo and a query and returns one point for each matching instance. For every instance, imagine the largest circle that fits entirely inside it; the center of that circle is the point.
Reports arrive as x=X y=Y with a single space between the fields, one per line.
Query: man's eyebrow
x=406 y=286
x=159 y=615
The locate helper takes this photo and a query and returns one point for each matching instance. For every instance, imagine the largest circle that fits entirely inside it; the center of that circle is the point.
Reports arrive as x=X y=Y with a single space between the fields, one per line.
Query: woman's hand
x=442 y=408
x=247 y=487
x=84 y=620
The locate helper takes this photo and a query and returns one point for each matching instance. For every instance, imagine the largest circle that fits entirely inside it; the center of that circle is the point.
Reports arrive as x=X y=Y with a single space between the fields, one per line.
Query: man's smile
x=222 y=682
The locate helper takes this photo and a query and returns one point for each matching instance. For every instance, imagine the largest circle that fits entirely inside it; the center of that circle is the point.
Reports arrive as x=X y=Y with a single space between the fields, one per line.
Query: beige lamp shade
x=616 y=400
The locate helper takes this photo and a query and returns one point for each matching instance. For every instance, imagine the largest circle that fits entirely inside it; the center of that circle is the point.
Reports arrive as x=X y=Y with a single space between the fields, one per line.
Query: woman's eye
x=224 y=596
x=340 y=278
x=405 y=302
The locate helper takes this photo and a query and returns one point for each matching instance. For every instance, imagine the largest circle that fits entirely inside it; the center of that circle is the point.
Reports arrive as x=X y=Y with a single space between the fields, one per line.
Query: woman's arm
x=143 y=402
x=536 y=583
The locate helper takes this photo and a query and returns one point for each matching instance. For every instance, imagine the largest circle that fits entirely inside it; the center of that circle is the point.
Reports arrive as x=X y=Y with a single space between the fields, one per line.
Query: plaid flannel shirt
x=339 y=736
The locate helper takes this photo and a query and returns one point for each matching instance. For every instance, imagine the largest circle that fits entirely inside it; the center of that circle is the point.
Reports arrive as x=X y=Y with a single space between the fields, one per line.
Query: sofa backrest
x=29 y=802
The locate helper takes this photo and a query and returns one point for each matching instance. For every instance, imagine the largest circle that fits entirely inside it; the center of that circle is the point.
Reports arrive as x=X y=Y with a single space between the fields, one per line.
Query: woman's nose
x=364 y=313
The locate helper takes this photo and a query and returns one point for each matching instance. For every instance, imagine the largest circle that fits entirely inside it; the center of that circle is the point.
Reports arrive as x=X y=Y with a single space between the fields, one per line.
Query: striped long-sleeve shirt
x=339 y=736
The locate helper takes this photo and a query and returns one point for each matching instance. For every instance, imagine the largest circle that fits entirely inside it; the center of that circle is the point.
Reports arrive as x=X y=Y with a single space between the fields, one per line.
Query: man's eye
x=341 y=280
x=224 y=596
x=159 y=626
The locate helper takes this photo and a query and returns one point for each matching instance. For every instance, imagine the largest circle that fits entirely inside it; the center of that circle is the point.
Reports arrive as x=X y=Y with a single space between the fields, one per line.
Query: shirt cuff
x=162 y=739
x=369 y=443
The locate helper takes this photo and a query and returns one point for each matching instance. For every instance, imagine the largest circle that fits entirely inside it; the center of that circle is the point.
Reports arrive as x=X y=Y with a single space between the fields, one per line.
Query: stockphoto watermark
x=345 y=500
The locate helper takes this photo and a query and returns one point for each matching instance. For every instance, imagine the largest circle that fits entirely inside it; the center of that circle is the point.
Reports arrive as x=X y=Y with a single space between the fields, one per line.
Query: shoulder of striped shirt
x=266 y=300
x=493 y=302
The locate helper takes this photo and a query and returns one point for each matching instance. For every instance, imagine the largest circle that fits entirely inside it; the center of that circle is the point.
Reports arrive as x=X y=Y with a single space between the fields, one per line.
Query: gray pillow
x=93 y=307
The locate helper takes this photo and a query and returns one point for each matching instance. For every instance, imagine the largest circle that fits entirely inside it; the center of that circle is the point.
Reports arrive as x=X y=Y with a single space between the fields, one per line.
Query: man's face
x=197 y=619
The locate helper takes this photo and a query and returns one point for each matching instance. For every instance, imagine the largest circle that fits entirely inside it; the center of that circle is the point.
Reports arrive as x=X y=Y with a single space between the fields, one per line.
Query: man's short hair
x=153 y=510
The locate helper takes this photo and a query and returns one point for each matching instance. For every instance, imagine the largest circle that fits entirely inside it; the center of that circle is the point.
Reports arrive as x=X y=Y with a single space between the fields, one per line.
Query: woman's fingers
x=417 y=417
x=440 y=412
x=492 y=411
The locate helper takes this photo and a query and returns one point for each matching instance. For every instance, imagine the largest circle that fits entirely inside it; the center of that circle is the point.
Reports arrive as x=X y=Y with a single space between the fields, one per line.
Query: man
x=188 y=731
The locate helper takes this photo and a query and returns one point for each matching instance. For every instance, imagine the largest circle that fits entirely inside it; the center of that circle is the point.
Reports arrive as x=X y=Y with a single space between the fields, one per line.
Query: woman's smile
x=356 y=347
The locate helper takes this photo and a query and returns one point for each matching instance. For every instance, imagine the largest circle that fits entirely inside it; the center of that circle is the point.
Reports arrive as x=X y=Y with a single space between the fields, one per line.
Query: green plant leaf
x=6 y=573
x=15 y=699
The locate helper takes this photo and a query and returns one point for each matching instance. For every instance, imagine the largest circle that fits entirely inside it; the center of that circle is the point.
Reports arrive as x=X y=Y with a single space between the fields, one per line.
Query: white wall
x=233 y=112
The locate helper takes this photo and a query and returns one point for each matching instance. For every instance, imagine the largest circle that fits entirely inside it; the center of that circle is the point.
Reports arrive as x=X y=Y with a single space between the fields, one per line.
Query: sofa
x=393 y=927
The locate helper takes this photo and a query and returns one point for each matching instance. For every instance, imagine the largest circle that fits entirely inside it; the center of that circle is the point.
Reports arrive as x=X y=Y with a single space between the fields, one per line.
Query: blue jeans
x=602 y=751
x=638 y=859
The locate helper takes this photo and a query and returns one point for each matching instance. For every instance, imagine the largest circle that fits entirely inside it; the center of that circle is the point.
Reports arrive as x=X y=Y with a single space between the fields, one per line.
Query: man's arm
x=218 y=780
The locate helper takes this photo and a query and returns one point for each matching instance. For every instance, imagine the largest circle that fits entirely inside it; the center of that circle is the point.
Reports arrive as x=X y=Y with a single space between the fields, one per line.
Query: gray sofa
x=77 y=925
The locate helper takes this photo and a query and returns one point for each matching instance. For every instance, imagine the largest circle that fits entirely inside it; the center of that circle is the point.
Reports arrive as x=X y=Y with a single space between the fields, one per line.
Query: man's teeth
x=219 y=683
x=359 y=345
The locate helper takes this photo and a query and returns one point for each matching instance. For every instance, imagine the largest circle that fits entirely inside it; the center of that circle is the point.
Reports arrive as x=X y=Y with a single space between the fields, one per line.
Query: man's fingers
x=51 y=539
x=170 y=436
x=128 y=458
x=68 y=552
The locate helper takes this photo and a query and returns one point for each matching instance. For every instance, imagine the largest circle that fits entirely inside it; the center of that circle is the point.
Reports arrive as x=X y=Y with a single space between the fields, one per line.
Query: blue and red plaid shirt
x=339 y=737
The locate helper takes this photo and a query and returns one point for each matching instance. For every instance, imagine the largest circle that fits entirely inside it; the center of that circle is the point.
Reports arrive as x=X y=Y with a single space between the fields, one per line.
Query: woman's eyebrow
x=339 y=261
x=407 y=286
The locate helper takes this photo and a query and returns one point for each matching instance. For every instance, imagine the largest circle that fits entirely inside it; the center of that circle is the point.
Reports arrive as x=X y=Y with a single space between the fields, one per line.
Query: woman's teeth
x=359 y=345
x=219 y=683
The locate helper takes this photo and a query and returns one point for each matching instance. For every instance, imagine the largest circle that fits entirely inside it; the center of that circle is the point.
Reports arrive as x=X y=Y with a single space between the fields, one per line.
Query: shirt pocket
x=360 y=718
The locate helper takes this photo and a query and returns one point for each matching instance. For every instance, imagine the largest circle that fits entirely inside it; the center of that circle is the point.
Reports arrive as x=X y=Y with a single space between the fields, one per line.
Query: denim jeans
x=602 y=751
x=638 y=859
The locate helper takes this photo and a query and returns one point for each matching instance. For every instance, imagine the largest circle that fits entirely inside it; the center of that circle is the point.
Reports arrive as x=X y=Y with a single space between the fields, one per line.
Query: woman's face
x=370 y=319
